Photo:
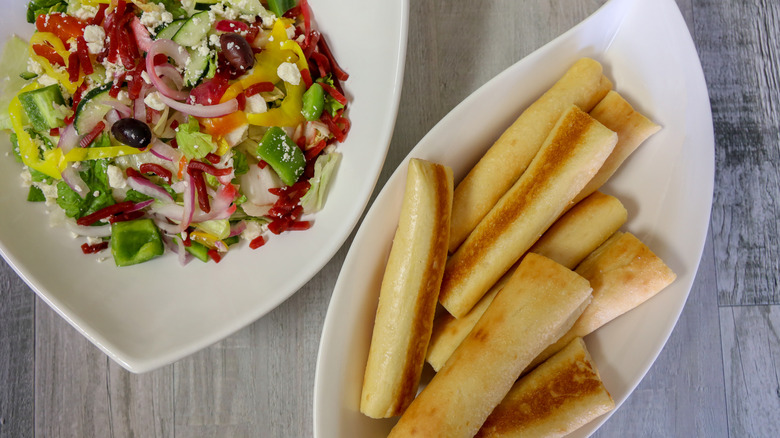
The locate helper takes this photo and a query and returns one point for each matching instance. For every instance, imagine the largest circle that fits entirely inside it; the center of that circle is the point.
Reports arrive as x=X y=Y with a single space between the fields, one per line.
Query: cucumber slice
x=89 y=112
x=40 y=109
x=197 y=67
x=194 y=30
x=170 y=30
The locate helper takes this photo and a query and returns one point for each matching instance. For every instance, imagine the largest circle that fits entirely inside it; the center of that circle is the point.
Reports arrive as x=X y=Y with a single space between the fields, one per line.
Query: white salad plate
x=149 y=315
x=666 y=185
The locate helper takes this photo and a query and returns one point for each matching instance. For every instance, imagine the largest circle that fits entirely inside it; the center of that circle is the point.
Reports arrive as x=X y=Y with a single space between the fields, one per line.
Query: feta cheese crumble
x=289 y=73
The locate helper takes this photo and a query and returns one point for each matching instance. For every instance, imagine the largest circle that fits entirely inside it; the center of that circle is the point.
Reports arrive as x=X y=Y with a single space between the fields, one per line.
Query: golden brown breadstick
x=582 y=85
x=573 y=152
x=537 y=305
x=407 y=299
x=569 y=240
x=624 y=273
x=582 y=229
x=557 y=398
x=632 y=129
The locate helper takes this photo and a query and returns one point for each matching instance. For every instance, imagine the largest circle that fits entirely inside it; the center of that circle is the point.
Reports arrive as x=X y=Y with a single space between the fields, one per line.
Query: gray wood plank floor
x=718 y=376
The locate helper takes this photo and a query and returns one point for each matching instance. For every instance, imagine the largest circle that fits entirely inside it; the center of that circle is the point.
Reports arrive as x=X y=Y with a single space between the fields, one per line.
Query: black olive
x=132 y=132
x=237 y=51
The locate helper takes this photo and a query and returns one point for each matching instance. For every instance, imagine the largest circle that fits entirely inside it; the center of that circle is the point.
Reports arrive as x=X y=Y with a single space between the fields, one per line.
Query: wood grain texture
x=738 y=43
x=691 y=359
x=17 y=356
x=751 y=353
x=259 y=381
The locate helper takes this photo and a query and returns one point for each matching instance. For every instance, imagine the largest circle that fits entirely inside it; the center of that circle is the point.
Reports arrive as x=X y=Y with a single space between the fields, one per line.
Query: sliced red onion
x=74 y=181
x=91 y=231
x=142 y=37
x=189 y=203
x=172 y=50
x=112 y=117
x=121 y=108
x=141 y=205
x=237 y=228
x=162 y=151
x=220 y=246
x=148 y=188
x=168 y=71
x=218 y=110
x=69 y=138
x=139 y=108
x=163 y=224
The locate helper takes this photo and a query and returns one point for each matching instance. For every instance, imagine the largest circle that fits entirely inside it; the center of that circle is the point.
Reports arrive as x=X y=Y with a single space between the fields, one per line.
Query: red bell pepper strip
x=49 y=53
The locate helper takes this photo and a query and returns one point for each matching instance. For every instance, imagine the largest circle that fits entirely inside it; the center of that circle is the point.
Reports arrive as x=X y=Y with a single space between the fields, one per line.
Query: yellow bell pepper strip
x=60 y=75
x=287 y=114
x=27 y=148
x=279 y=49
x=96 y=153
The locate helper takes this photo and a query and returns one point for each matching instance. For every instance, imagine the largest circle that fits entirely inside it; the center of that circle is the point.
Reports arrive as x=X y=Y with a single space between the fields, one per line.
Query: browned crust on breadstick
x=571 y=155
x=407 y=300
x=583 y=85
x=426 y=302
x=568 y=241
x=537 y=305
x=624 y=273
x=558 y=397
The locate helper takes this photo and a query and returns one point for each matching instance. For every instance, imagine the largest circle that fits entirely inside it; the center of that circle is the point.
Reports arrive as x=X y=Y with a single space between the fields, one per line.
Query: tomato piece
x=64 y=26
x=219 y=126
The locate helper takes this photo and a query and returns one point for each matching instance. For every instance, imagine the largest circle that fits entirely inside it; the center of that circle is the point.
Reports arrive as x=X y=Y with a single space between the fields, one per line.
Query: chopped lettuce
x=38 y=7
x=324 y=167
x=94 y=175
x=193 y=143
x=13 y=62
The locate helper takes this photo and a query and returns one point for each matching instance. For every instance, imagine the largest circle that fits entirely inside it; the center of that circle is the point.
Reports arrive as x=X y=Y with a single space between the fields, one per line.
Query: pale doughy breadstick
x=624 y=273
x=583 y=85
x=557 y=398
x=569 y=240
x=410 y=285
x=537 y=305
x=573 y=152
x=632 y=129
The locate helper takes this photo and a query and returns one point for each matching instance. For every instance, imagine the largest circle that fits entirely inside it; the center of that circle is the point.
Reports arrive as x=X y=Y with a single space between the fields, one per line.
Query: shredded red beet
x=208 y=168
x=95 y=248
x=128 y=216
x=257 y=242
x=200 y=187
x=214 y=255
x=93 y=134
x=157 y=170
x=104 y=213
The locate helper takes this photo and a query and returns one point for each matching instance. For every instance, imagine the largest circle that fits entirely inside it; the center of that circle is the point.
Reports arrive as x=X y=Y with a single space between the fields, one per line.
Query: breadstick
x=537 y=305
x=583 y=85
x=569 y=240
x=573 y=152
x=632 y=129
x=560 y=396
x=407 y=299
x=624 y=273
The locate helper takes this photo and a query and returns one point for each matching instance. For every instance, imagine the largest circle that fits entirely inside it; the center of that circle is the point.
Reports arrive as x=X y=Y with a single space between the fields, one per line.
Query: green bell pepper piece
x=135 y=241
x=282 y=154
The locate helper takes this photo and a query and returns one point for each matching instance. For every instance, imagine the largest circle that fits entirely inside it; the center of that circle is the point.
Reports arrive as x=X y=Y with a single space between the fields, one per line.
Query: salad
x=182 y=125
